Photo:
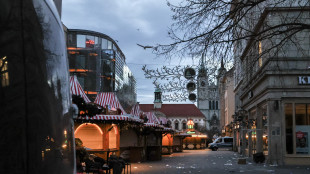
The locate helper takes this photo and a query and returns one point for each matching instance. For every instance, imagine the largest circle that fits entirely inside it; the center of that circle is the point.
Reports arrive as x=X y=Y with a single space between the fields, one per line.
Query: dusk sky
x=128 y=22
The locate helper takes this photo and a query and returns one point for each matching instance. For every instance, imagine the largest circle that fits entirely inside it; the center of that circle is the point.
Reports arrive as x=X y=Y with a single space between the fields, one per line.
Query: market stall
x=132 y=145
x=153 y=137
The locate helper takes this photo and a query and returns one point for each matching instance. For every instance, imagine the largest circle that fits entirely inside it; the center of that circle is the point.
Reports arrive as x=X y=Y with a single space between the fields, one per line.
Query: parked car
x=221 y=142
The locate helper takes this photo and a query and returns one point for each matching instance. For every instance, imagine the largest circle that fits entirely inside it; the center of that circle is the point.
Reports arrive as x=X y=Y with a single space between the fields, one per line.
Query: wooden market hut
x=167 y=134
x=153 y=137
x=132 y=138
x=178 y=141
x=195 y=140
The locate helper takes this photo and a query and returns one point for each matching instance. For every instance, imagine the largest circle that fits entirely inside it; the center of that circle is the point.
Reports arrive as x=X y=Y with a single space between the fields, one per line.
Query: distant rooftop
x=175 y=110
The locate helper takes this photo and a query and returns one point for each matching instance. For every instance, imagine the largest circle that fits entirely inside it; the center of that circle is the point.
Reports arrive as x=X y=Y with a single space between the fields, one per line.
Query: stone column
x=259 y=130
x=244 y=130
x=250 y=143
x=275 y=146
x=235 y=140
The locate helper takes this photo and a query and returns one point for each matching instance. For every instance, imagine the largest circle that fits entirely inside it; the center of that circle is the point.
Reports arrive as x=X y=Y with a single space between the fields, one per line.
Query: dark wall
x=36 y=132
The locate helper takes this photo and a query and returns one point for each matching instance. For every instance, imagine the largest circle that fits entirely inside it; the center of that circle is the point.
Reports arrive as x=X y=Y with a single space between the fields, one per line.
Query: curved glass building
x=100 y=65
x=36 y=133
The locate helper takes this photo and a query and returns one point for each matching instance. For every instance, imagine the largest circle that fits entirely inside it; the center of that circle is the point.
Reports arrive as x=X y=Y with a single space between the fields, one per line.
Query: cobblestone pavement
x=213 y=162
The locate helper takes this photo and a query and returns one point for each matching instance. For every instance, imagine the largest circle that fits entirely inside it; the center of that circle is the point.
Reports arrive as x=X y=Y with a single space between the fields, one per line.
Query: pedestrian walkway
x=210 y=162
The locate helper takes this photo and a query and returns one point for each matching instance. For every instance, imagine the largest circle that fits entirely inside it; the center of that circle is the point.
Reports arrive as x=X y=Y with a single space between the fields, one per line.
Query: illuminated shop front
x=277 y=122
x=193 y=138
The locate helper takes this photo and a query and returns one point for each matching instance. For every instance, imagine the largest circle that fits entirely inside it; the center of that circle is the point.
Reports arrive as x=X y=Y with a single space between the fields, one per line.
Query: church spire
x=202 y=72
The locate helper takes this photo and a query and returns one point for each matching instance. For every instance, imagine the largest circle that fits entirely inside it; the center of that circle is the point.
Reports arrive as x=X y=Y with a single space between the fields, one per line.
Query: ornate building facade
x=208 y=99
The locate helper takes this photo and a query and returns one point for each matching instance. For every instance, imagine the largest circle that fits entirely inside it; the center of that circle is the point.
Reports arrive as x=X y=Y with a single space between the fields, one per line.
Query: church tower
x=157 y=98
x=208 y=98
x=202 y=88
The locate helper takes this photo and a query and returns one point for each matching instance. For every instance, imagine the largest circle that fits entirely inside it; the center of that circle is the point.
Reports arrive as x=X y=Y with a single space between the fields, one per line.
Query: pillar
x=259 y=129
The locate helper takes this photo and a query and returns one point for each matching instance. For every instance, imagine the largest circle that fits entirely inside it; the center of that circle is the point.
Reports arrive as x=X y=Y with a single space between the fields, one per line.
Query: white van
x=221 y=142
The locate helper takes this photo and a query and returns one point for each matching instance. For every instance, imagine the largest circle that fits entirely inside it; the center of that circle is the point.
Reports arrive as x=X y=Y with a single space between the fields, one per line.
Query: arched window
x=91 y=135
x=176 y=125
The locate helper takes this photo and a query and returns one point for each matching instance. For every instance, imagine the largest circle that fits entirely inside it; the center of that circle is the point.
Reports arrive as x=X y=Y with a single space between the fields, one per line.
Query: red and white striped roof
x=109 y=98
x=136 y=111
x=107 y=117
x=153 y=125
x=151 y=117
x=163 y=120
x=76 y=88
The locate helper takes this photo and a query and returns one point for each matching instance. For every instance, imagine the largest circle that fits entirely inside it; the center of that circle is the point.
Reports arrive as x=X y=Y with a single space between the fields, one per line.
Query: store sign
x=300 y=134
x=190 y=132
x=200 y=136
x=90 y=43
x=304 y=80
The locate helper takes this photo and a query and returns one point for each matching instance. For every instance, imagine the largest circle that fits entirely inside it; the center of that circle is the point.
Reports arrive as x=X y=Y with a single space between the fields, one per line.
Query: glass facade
x=100 y=66
x=37 y=127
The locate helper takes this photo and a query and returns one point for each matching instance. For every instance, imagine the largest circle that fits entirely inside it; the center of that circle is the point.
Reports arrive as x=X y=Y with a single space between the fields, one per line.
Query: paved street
x=213 y=162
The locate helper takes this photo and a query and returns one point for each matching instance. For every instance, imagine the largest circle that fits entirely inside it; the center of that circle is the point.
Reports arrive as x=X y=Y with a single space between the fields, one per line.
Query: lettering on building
x=304 y=80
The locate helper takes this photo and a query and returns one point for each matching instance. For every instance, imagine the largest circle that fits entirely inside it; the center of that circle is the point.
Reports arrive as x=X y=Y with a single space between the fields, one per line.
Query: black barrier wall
x=36 y=132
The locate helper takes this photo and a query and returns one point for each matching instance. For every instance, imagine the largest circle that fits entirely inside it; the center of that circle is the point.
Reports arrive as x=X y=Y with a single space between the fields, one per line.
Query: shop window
x=302 y=128
x=297 y=135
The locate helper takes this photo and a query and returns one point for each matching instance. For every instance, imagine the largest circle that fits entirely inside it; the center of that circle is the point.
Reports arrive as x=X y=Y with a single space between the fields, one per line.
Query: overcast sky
x=128 y=22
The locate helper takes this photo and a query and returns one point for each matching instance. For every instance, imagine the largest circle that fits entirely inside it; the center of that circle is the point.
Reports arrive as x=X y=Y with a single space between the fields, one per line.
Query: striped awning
x=153 y=125
x=163 y=120
x=136 y=111
x=151 y=117
x=168 y=129
x=107 y=118
x=110 y=99
x=134 y=118
x=76 y=88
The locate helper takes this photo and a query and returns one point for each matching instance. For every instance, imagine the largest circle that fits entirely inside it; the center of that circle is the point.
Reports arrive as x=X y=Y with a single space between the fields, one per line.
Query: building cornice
x=262 y=19
x=98 y=34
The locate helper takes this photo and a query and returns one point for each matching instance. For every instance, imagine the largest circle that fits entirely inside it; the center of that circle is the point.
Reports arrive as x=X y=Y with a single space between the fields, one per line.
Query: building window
x=183 y=125
x=213 y=105
x=210 y=105
x=300 y=135
x=176 y=126
x=217 y=105
x=80 y=41
x=196 y=126
x=260 y=51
